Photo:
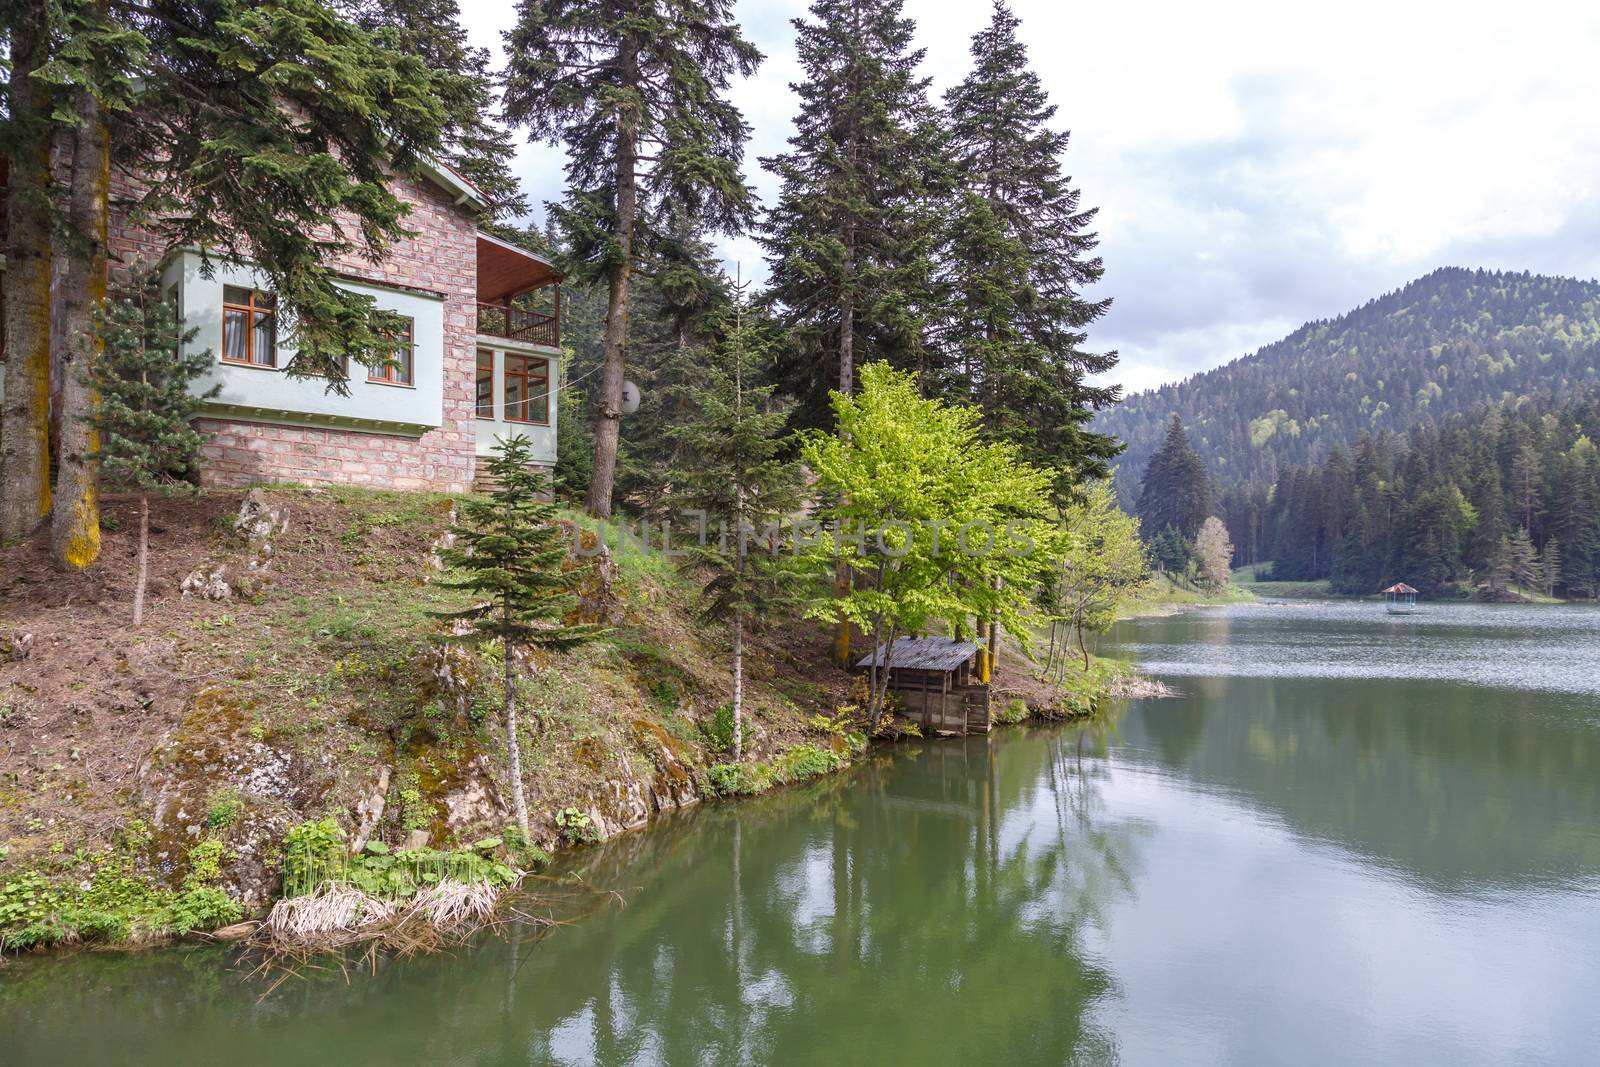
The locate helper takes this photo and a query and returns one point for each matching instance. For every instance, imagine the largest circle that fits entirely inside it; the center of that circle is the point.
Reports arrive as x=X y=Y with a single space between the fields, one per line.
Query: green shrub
x=115 y=903
x=314 y=854
x=1015 y=711
x=224 y=809
x=203 y=907
x=575 y=827
x=805 y=760
x=738 y=779
x=794 y=764
x=718 y=732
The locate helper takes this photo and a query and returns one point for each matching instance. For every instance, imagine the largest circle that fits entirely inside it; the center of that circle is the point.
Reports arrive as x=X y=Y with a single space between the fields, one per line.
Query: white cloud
x=1258 y=164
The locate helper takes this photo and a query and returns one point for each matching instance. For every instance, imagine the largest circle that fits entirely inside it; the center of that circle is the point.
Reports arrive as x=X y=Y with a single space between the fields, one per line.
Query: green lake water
x=1353 y=839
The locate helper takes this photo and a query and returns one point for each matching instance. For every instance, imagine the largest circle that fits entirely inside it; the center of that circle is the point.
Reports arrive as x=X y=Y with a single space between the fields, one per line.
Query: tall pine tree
x=739 y=479
x=474 y=144
x=1175 y=491
x=1020 y=254
x=849 y=243
x=637 y=91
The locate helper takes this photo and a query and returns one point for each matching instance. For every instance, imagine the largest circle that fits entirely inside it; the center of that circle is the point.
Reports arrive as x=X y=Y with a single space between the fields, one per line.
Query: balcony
x=511 y=302
x=517 y=324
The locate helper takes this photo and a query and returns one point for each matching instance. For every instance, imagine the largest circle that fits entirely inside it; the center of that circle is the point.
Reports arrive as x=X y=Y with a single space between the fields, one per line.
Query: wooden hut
x=939 y=680
x=1400 y=599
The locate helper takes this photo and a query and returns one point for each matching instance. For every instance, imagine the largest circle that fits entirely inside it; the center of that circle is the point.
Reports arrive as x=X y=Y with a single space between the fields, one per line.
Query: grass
x=1164 y=593
x=1247 y=577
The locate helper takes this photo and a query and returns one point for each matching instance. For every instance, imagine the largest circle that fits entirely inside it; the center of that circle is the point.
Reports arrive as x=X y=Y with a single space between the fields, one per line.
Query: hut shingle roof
x=923 y=654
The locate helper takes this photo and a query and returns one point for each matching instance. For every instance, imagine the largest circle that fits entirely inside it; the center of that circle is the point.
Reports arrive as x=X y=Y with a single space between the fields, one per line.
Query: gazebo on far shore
x=1400 y=599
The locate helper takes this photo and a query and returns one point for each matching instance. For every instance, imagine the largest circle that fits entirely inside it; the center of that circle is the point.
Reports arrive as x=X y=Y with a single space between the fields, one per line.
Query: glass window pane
x=266 y=335
x=233 y=294
x=403 y=357
x=233 y=328
x=516 y=389
x=485 y=385
x=538 y=390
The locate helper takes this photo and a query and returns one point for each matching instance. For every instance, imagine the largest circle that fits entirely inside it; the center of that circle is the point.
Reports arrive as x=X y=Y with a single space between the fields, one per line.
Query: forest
x=1446 y=344
x=1502 y=501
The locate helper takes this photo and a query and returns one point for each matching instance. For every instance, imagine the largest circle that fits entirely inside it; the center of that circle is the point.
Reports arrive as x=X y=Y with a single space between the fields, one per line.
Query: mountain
x=1445 y=344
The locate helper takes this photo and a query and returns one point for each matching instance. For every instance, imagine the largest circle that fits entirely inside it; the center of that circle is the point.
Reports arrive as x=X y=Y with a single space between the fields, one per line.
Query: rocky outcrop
x=243 y=570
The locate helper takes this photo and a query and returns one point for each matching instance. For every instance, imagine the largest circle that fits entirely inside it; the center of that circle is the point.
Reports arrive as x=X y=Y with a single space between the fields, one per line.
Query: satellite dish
x=630 y=398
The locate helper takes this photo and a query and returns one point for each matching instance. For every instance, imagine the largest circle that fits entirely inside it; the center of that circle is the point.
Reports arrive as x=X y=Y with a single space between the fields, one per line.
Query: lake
x=1352 y=839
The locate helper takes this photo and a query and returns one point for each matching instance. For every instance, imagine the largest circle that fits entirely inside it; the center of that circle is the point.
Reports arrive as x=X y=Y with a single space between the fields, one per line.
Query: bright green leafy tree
x=511 y=551
x=1099 y=563
x=942 y=527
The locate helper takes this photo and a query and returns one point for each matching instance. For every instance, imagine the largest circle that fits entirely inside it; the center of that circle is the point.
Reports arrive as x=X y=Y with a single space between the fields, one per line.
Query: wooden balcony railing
x=515 y=324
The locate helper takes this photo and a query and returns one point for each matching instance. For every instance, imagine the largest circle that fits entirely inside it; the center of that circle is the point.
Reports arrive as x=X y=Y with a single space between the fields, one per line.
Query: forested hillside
x=1501 y=501
x=1451 y=341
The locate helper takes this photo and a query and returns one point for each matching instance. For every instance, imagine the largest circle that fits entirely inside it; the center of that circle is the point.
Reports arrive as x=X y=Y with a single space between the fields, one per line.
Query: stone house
x=475 y=369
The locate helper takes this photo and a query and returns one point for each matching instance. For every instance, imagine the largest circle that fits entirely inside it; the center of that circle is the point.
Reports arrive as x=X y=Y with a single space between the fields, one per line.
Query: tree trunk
x=143 y=572
x=608 y=418
x=738 y=686
x=25 y=418
x=878 y=688
x=519 y=800
x=847 y=378
x=994 y=637
x=75 y=524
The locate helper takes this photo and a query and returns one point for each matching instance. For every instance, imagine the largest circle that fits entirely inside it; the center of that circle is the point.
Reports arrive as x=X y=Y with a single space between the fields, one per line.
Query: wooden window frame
x=505 y=379
x=389 y=374
x=251 y=310
x=477 y=410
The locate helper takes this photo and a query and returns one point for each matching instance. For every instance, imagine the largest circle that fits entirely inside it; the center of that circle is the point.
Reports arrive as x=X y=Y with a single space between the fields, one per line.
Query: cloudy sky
x=1258 y=164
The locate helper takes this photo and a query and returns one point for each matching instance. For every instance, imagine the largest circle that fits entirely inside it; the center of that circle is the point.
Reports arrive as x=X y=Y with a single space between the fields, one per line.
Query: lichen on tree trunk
x=75 y=524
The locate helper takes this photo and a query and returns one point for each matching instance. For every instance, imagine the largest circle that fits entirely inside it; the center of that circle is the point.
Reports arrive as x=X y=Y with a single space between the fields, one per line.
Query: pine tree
x=680 y=312
x=1524 y=560
x=738 y=479
x=1501 y=569
x=638 y=94
x=1550 y=566
x=1175 y=490
x=1019 y=256
x=849 y=243
x=143 y=404
x=473 y=143
x=511 y=551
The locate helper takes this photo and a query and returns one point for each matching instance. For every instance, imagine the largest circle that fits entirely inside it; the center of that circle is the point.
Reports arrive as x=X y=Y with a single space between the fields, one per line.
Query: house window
x=249 y=327
x=399 y=371
x=527 y=389
x=485 y=384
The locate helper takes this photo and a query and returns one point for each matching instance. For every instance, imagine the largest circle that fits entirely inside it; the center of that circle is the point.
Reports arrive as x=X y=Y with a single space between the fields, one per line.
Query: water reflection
x=1333 y=862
